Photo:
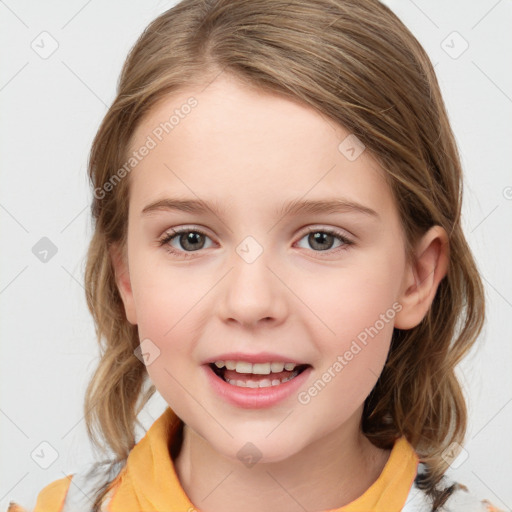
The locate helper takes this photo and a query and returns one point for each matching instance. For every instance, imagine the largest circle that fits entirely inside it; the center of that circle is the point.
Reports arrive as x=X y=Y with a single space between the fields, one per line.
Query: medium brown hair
x=356 y=63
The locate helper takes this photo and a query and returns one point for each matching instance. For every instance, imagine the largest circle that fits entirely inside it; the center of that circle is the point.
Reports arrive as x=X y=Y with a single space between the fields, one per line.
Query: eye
x=322 y=240
x=193 y=240
x=190 y=240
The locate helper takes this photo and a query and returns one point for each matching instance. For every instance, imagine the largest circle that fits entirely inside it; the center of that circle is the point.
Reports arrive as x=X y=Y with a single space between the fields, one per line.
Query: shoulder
x=50 y=499
x=14 y=507
x=88 y=481
x=460 y=499
x=463 y=500
x=61 y=496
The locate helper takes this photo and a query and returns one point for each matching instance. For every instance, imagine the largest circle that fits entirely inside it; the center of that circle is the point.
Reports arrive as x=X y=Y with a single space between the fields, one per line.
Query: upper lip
x=261 y=357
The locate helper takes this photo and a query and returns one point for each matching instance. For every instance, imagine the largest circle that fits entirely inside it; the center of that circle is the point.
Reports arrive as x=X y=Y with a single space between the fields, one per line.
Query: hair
x=357 y=64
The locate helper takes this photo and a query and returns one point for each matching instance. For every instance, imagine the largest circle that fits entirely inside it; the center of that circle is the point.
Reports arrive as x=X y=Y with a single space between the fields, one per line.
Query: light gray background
x=50 y=110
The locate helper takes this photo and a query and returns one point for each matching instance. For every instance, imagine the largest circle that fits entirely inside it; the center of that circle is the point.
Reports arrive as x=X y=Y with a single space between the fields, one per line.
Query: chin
x=259 y=449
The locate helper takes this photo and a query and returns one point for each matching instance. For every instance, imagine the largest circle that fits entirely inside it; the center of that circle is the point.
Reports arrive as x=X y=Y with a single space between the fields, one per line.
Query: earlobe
x=422 y=278
x=122 y=276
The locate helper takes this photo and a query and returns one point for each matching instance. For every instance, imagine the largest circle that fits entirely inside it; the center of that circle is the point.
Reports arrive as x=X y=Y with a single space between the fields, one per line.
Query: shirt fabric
x=148 y=482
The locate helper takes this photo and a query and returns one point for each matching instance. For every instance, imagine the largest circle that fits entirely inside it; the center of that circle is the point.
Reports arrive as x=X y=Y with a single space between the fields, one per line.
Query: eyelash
x=173 y=233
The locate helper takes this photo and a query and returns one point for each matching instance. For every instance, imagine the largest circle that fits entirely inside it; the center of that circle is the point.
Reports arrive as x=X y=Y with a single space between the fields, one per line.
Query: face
x=248 y=280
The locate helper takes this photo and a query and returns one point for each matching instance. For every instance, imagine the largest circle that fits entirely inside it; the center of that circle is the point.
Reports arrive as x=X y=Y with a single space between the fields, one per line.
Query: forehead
x=229 y=142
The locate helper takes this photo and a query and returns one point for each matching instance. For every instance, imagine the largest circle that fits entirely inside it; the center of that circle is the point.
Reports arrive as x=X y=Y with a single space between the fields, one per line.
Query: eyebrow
x=294 y=207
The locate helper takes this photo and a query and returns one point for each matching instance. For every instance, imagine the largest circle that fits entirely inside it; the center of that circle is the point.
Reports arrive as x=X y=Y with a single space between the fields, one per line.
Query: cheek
x=162 y=294
x=348 y=300
x=166 y=317
x=352 y=358
x=353 y=324
x=168 y=302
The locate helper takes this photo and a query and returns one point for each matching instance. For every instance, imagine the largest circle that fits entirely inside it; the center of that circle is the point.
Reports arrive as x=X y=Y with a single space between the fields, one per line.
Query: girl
x=306 y=345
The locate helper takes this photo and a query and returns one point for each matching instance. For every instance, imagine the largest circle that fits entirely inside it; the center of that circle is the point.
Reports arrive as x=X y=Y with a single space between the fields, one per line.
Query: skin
x=251 y=151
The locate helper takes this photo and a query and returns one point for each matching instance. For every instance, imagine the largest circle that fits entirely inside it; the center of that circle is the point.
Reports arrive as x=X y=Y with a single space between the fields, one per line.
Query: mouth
x=258 y=375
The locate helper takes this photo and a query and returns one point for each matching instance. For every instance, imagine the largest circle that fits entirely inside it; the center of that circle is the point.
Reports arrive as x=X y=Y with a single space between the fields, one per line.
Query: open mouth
x=263 y=375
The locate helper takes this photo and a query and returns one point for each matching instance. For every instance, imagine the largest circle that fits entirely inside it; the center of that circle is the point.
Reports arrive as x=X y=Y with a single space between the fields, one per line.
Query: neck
x=327 y=474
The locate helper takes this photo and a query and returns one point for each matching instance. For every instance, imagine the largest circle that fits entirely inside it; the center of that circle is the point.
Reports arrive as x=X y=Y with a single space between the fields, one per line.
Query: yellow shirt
x=149 y=482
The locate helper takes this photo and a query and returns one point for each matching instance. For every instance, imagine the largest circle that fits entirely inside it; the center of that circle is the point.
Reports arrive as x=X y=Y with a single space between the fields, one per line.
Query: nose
x=252 y=293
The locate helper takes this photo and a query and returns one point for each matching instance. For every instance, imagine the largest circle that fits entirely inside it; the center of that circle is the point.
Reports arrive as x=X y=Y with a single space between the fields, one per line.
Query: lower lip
x=255 y=398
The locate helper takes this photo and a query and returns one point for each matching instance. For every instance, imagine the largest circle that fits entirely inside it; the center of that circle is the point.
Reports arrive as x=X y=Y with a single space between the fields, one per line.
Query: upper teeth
x=256 y=368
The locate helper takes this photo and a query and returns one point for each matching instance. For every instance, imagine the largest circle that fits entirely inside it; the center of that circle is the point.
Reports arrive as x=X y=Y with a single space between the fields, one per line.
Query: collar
x=149 y=481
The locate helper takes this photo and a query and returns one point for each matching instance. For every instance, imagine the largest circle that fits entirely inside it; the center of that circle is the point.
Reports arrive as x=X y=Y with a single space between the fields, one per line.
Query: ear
x=422 y=277
x=119 y=261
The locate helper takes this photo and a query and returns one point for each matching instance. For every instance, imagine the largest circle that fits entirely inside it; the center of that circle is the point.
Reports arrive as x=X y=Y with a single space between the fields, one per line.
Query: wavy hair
x=356 y=63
